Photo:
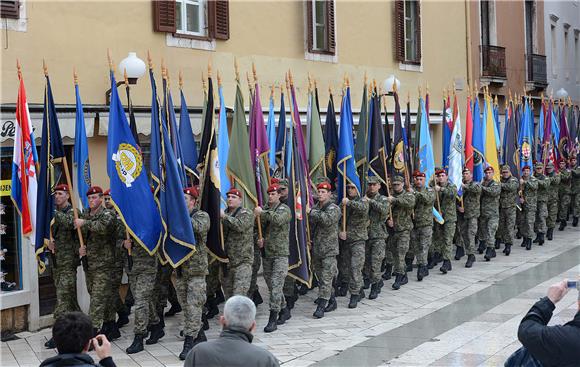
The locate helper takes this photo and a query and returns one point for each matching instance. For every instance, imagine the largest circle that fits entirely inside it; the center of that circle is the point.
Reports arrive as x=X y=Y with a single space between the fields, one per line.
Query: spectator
x=557 y=345
x=72 y=334
x=234 y=346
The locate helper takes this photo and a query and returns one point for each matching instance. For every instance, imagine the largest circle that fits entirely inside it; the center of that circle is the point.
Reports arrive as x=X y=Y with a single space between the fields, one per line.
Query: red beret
x=525 y=167
x=272 y=188
x=489 y=168
x=107 y=192
x=274 y=180
x=94 y=190
x=191 y=191
x=439 y=171
x=324 y=185
x=418 y=173
x=61 y=187
x=234 y=191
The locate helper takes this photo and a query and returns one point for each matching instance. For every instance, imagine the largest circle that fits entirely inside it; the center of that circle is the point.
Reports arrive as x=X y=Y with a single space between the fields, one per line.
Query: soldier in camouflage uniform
x=528 y=201
x=402 y=204
x=238 y=226
x=354 y=238
x=191 y=274
x=467 y=217
x=65 y=249
x=490 y=193
x=575 y=185
x=507 y=209
x=563 y=193
x=324 y=221
x=552 y=200
x=275 y=218
x=98 y=226
x=542 y=203
x=375 y=245
x=443 y=233
x=422 y=232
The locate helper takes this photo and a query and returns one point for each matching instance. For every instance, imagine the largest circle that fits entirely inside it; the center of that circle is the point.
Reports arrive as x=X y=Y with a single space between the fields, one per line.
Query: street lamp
x=391 y=84
x=561 y=94
x=133 y=67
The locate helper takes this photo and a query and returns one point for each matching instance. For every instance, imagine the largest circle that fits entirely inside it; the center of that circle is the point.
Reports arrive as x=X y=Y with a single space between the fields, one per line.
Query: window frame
x=329 y=41
x=400 y=44
x=203 y=19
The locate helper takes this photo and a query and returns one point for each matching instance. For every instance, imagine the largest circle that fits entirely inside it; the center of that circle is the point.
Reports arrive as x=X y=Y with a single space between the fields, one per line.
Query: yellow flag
x=490 y=146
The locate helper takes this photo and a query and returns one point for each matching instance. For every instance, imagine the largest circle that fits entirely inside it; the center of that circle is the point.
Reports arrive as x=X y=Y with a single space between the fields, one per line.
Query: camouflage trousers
x=507 y=224
x=275 y=271
x=526 y=220
x=355 y=259
x=65 y=282
x=400 y=247
x=144 y=307
x=468 y=229
x=458 y=236
x=191 y=295
x=325 y=269
x=117 y=304
x=489 y=228
x=420 y=241
x=564 y=206
x=255 y=269
x=443 y=238
x=576 y=205
x=289 y=289
x=212 y=279
x=99 y=287
x=236 y=279
x=343 y=262
x=166 y=290
x=552 y=213
x=541 y=214
x=375 y=253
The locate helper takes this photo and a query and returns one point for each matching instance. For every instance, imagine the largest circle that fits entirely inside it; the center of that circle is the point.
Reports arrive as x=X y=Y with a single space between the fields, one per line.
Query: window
x=10 y=9
x=408 y=31
x=320 y=26
x=207 y=19
x=485 y=22
x=566 y=52
x=530 y=14
x=554 y=50
x=190 y=17
x=577 y=55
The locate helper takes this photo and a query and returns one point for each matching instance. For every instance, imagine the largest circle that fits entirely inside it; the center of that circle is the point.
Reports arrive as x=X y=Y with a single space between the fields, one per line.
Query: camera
x=572 y=284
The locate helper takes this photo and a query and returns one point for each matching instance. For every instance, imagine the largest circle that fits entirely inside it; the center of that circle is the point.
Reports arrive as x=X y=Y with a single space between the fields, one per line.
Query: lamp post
x=133 y=67
x=391 y=84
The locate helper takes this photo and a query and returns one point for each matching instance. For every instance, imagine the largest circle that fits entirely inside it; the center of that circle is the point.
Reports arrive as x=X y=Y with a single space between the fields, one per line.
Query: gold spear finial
x=254 y=72
x=149 y=60
x=272 y=91
x=203 y=83
x=347 y=81
x=163 y=69
x=309 y=82
x=237 y=69
x=125 y=76
x=44 y=67
x=18 y=68
x=419 y=89
x=287 y=82
x=365 y=78
x=180 y=79
x=290 y=77
x=219 y=78
x=110 y=59
x=329 y=90
x=209 y=68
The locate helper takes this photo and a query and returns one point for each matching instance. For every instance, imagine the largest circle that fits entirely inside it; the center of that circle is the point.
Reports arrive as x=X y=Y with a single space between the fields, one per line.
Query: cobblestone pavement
x=486 y=339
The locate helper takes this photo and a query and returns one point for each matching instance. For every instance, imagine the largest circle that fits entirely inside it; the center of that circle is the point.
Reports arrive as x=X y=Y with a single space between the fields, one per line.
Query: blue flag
x=82 y=168
x=223 y=150
x=271 y=132
x=331 y=142
x=281 y=137
x=526 y=140
x=189 y=148
x=478 y=143
x=447 y=129
x=171 y=123
x=346 y=164
x=130 y=190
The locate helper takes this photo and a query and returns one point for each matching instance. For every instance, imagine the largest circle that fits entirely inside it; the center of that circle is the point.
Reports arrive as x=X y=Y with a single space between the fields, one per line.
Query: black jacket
x=232 y=348
x=80 y=359
x=557 y=345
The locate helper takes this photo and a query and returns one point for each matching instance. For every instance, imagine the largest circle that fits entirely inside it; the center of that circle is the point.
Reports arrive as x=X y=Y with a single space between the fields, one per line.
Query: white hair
x=240 y=312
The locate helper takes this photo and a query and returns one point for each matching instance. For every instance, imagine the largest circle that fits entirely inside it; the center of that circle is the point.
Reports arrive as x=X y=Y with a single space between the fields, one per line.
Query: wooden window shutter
x=309 y=25
x=418 y=32
x=164 y=16
x=219 y=19
x=330 y=34
x=399 y=30
x=10 y=9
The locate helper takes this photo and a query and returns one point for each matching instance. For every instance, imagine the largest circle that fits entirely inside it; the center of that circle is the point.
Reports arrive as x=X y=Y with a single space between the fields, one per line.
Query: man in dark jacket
x=234 y=346
x=72 y=334
x=551 y=345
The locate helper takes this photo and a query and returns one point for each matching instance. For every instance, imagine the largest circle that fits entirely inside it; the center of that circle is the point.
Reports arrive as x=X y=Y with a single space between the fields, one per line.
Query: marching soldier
x=324 y=218
x=542 y=203
x=552 y=200
x=469 y=210
x=528 y=200
x=564 y=193
x=443 y=233
x=507 y=209
x=191 y=286
x=275 y=218
x=575 y=173
x=402 y=204
x=65 y=247
x=357 y=222
x=377 y=234
x=422 y=232
x=490 y=192
x=238 y=226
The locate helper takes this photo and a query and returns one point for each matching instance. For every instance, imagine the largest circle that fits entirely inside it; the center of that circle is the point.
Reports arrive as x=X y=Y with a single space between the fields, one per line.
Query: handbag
x=522 y=358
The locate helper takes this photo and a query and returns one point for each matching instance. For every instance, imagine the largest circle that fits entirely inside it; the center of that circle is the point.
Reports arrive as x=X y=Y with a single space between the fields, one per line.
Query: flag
x=82 y=168
x=346 y=164
x=564 y=142
x=574 y=129
x=259 y=147
x=525 y=139
x=469 y=136
x=169 y=117
x=271 y=133
x=189 y=148
x=223 y=150
x=511 y=140
x=478 y=145
x=417 y=134
x=361 y=143
x=316 y=143
x=490 y=142
x=132 y=120
x=541 y=131
x=399 y=148
x=24 y=184
x=554 y=138
x=388 y=142
x=330 y=142
x=377 y=156
x=130 y=191
x=447 y=129
x=300 y=143
x=281 y=137
x=407 y=138
x=455 y=151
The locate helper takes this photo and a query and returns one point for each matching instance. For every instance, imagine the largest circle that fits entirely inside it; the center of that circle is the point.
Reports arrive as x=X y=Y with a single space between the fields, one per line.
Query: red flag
x=469 y=137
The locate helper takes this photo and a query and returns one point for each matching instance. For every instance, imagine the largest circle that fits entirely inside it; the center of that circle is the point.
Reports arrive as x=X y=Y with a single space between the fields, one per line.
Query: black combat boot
x=519 y=234
x=175 y=308
x=508 y=249
x=331 y=306
x=408 y=264
x=156 y=334
x=284 y=315
x=431 y=261
x=212 y=307
x=199 y=338
x=137 y=345
x=459 y=252
x=204 y=322
x=497 y=244
x=366 y=283
x=421 y=272
x=361 y=294
x=303 y=289
x=220 y=296
x=575 y=222
x=123 y=318
x=353 y=301
x=445 y=267
x=488 y=255
x=470 y=261
x=398 y=281
x=187 y=346
x=541 y=239
x=562 y=225
x=550 y=234
x=319 y=313
x=388 y=271
x=342 y=290
x=374 y=291
x=290 y=301
x=528 y=243
x=537 y=239
x=50 y=344
x=524 y=242
x=481 y=247
x=113 y=332
x=257 y=297
x=272 y=322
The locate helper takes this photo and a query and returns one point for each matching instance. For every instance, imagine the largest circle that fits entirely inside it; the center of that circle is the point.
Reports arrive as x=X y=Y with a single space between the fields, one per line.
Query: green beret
x=373 y=179
x=283 y=182
x=398 y=179
x=550 y=165
x=539 y=165
x=506 y=167
x=323 y=179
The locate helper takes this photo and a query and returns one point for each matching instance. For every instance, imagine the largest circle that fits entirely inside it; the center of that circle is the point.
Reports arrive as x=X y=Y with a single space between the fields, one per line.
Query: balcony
x=493 y=62
x=537 y=71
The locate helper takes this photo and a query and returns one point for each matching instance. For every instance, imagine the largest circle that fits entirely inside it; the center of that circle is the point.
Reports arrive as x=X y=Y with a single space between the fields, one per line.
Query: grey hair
x=240 y=312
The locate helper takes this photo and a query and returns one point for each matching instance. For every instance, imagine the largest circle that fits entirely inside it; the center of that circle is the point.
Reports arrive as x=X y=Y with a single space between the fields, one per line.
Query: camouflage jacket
x=403 y=205
x=530 y=192
x=543 y=187
x=471 y=200
x=565 y=180
x=555 y=179
x=324 y=223
x=575 y=186
x=357 y=220
x=378 y=213
x=98 y=231
x=66 y=240
x=447 y=195
x=490 y=192
x=143 y=263
x=238 y=236
x=276 y=230
x=196 y=265
x=424 y=199
x=509 y=192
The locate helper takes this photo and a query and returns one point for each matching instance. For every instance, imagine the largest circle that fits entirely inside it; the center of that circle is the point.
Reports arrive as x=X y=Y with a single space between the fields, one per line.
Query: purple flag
x=259 y=146
x=564 y=145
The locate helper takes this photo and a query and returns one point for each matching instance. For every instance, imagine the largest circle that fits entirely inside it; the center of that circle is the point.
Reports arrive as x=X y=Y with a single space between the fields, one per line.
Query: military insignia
x=128 y=163
x=87 y=173
x=330 y=159
x=399 y=157
x=458 y=146
x=526 y=151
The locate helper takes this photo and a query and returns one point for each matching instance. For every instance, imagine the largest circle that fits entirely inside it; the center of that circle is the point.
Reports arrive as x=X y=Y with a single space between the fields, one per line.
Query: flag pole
x=385 y=160
x=127 y=236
